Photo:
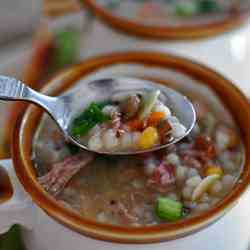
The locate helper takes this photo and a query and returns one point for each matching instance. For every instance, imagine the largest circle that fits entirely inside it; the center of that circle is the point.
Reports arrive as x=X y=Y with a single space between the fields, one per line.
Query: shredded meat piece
x=163 y=178
x=129 y=209
x=61 y=172
x=200 y=153
x=205 y=144
x=164 y=175
x=124 y=215
x=140 y=204
x=115 y=122
x=119 y=210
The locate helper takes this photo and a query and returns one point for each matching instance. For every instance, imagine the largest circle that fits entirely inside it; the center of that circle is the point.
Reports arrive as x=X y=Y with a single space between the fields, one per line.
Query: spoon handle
x=13 y=89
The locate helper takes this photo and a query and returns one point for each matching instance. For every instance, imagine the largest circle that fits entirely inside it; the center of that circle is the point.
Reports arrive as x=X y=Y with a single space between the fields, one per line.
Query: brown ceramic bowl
x=186 y=31
x=6 y=190
x=145 y=62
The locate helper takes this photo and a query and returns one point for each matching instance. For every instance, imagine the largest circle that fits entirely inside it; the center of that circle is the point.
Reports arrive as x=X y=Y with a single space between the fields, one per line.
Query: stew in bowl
x=149 y=198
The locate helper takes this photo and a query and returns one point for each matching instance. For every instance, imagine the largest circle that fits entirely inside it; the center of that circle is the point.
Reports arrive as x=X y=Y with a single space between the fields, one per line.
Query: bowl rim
x=231 y=22
x=21 y=152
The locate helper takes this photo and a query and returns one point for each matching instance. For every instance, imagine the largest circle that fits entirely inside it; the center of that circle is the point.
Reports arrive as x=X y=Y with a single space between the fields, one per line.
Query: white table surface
x=229 y=55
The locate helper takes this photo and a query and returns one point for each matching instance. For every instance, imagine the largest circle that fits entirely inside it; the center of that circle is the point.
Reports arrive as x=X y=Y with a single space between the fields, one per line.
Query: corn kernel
x=211 y=170
x=148 y=138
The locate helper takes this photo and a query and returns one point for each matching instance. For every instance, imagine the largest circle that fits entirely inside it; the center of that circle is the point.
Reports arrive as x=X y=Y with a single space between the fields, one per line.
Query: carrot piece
x=136 y=125
x=155 y=118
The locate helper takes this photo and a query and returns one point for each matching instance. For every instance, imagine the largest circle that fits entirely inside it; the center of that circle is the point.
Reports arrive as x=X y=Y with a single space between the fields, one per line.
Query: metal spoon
x=63 y=109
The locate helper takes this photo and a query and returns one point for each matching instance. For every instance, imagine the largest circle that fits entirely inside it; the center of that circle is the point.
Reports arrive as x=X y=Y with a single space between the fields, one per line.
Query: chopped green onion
x=88 y=119
x=168 y=209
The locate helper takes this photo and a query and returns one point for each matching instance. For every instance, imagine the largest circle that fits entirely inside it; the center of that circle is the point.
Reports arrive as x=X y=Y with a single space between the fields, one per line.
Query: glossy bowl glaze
x=186 y=31
x=26 y=126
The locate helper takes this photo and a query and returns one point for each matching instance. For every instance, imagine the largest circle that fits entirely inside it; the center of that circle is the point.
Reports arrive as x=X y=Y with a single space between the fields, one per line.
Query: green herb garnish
x=84 y=128
x=88 y=119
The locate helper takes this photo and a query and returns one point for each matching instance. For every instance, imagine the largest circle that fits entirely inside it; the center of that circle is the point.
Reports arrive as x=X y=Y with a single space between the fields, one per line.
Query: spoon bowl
x=65 y=108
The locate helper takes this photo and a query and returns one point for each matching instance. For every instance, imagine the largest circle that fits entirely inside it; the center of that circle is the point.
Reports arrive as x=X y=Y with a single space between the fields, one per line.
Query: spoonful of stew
x=116 y=116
